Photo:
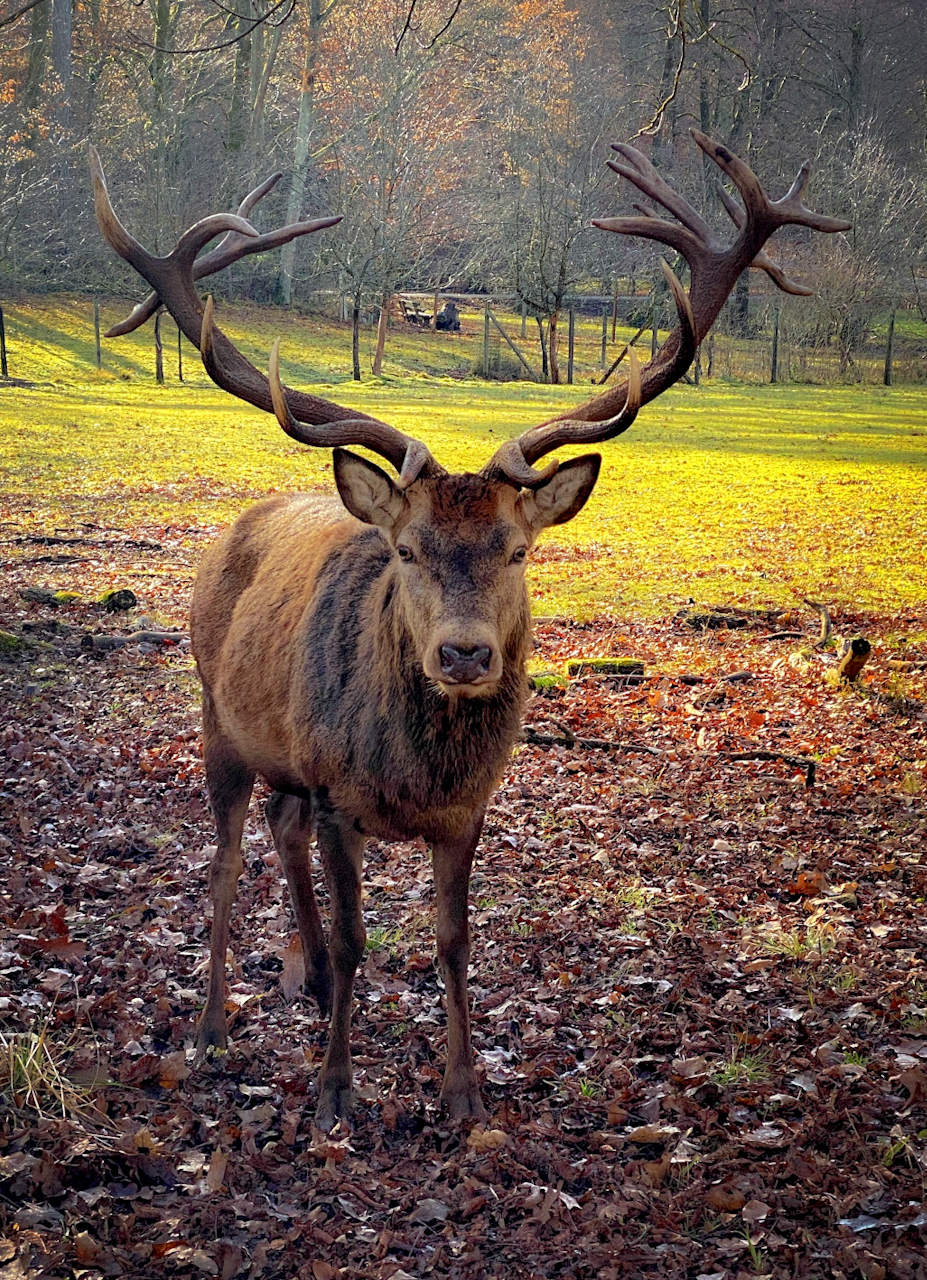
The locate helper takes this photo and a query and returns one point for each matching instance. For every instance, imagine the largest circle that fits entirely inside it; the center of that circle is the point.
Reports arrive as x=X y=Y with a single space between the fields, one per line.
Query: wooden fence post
x=385 y=302
x=887 y=376
x=571 y=344
x=179 y=355
x=604 y=355
x=96 y=332
x=524 y=319
x=4 y=368
x=654 y=325
x=774 y=370
x=486 y=339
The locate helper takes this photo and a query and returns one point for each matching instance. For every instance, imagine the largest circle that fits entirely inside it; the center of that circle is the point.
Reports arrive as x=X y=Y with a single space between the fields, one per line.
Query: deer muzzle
x=471 y=664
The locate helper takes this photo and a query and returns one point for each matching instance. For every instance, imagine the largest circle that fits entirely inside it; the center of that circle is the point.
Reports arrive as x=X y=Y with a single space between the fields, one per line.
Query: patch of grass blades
x=741 y=1068
x=816 y=941
x=380 y=938
x=32 y=1077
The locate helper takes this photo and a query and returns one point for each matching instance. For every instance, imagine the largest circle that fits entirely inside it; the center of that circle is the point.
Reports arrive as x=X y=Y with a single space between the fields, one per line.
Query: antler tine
x=409 y=456
x=714 y=269
x=232 y=247
x=172 y=279
x=762 y=261
x=647 y=178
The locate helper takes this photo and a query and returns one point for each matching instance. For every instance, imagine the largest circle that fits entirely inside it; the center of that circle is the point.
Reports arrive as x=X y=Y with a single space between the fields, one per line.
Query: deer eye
x=405 y=553
x=519 y=555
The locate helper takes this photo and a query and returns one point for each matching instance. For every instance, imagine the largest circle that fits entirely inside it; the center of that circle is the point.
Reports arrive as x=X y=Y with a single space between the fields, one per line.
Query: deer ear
x=564 y=495
x=366 y=491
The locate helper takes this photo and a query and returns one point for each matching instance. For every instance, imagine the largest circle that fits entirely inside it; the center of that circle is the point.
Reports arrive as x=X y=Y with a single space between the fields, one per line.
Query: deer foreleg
x=230 y=783
x=342 y=848
x=291 y=822
x=452 y=861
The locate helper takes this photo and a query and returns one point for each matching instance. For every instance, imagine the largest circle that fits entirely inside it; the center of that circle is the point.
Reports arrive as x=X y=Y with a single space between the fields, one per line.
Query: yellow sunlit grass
x=724 y=493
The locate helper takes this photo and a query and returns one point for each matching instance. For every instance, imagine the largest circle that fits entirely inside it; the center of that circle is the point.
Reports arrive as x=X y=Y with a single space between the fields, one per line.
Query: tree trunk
x=240 y=26
x=316 y=17
x=260 y=89
x=61 y=56
x=552 y=338
x=355 y=338
x=545 y=368
x=740 y=306
x=38 y=42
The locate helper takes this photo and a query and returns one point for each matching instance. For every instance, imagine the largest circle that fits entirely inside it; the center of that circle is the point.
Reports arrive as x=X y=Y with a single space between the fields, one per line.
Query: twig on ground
x=91 y=643
x=781 y=635
x=594 y=744
x=797 y=762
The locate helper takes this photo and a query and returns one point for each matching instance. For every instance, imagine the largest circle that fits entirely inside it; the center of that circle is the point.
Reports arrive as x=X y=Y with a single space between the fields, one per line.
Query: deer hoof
x=212 y=1047
x=464 y=1104
x=336 y=1102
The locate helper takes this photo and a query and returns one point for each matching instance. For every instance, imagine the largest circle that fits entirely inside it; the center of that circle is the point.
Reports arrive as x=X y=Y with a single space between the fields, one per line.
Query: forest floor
x=699 y=985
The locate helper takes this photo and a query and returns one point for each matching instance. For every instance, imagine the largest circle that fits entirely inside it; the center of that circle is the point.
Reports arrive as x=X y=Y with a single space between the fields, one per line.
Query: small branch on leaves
x=91 y=643
x=593 y=744
x=826 y=624
x=781 y=635
x=804 y=763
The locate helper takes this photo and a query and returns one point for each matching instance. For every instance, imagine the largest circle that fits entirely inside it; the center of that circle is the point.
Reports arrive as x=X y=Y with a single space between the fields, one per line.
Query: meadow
x=729 y=494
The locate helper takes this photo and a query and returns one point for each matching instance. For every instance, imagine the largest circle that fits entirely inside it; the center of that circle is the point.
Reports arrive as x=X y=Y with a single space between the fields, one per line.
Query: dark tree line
x=464 y=140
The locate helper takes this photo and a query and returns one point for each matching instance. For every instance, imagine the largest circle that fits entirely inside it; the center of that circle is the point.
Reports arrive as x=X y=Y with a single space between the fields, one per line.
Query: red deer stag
x=369 y=663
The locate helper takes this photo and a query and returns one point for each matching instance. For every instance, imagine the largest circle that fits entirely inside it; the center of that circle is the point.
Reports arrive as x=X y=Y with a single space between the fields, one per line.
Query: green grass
x=728 y=494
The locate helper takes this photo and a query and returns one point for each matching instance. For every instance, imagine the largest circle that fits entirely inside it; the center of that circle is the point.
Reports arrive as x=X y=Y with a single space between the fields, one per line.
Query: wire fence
x=486 y=337
x=771 y=345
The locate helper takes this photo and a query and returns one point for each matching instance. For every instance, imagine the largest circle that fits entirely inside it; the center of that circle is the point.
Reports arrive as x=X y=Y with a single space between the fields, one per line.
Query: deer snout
x=465 y=665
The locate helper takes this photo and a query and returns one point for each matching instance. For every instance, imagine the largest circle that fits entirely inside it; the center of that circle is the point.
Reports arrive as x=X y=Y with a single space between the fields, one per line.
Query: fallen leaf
x=429 y=1211
x=726 y=1199
x=755 y=1211
x=482 y=1140
x=293 y=974
x=653 y=1133
x=215 y=1174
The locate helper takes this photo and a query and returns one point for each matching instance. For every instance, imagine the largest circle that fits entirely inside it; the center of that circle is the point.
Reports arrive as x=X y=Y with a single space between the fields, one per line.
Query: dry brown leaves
x=699 y=988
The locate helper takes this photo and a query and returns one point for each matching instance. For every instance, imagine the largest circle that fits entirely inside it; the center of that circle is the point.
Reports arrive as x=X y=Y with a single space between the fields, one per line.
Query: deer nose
x=465 y=666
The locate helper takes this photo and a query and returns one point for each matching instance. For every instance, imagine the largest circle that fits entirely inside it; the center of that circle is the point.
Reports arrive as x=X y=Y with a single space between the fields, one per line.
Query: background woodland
x=463 y=141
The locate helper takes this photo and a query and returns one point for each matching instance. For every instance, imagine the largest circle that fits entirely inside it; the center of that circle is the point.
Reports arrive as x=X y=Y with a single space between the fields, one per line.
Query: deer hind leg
x=292 y=821
x=229 y=781
x=342 y=848
x=452 y=862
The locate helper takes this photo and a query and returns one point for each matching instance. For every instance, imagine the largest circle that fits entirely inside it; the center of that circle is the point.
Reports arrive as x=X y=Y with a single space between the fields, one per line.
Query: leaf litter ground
x=699 y=986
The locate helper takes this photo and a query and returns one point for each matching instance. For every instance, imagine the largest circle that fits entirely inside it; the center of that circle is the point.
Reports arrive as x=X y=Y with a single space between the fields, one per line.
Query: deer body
x=303 y=642
x=371 y=665
x=314 y=633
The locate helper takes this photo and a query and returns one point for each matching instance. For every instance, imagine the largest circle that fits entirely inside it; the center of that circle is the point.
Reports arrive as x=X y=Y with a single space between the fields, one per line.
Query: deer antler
x=714 y=268
x=307 y=418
